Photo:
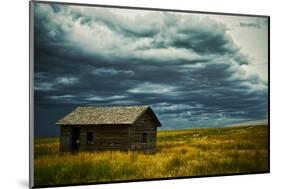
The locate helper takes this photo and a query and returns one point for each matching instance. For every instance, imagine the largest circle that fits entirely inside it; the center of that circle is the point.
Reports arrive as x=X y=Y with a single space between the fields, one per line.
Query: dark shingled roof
x=105 y=115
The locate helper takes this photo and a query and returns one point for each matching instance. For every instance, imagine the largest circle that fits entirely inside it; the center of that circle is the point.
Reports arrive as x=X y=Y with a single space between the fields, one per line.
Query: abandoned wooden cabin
x=109 y=128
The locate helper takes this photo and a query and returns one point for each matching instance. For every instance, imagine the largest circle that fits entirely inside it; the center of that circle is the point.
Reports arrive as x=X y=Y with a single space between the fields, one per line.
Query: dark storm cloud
x=186 y=67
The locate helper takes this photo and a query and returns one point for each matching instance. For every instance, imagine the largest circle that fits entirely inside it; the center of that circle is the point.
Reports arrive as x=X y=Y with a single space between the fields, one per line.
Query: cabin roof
x=105 y=115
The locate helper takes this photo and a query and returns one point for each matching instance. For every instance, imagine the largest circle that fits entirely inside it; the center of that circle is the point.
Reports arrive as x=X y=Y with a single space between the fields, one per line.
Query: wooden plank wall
x=105 y=138
x=113 y=137
x=145 y=124
x=65 y=139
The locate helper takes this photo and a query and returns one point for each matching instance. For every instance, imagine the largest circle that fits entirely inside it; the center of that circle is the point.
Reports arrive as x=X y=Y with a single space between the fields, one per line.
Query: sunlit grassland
x=195 y=152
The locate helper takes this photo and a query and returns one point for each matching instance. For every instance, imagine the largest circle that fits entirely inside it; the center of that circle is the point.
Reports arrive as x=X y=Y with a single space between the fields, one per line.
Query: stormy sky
x=194 y=70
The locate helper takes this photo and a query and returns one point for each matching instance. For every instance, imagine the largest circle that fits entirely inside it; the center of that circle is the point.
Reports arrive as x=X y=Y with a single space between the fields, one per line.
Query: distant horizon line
x=240 y=124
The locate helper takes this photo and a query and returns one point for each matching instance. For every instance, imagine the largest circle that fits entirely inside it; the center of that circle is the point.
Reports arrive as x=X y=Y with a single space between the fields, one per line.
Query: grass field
x=195 y=152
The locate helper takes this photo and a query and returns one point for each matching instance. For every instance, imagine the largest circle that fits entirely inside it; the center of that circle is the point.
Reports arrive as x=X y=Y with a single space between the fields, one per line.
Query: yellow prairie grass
x=196 y=152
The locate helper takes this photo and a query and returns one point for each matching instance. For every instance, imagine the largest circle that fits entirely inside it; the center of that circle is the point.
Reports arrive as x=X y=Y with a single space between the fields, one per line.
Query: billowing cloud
x=186 y=66
x=149 y=88
x=67 y=80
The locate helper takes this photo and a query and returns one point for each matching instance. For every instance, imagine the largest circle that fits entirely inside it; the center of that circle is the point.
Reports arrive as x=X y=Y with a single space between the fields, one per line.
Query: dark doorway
x=75 y=139
x=144 y=138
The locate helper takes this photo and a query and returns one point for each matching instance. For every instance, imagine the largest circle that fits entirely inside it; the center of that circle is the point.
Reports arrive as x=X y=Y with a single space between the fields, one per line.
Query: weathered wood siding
x=105 y=138
x=145 y=124
x=65 y=139
x=113 y=137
